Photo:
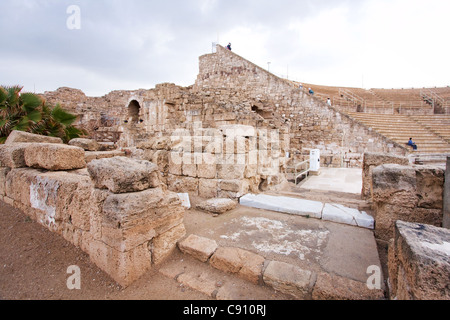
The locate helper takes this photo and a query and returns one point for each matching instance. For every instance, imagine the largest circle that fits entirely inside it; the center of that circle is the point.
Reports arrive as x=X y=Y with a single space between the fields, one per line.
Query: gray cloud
x=131 y=44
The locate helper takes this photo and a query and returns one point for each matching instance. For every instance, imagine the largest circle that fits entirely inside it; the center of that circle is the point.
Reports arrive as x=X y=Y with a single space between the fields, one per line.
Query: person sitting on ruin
x=412 y=144
x=229 y=46
x=311 y=92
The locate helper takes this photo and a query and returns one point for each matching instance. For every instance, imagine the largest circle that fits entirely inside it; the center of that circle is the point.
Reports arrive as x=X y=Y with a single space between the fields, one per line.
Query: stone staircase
x=399 y=128
x=231 y=273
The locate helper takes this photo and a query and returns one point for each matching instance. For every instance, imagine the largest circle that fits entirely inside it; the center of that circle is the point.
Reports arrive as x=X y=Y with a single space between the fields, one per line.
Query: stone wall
x=117 y=210
x=228 y=90
x=419 y=262
x=446 y=221
x=313 y=124
x=408 y=193
x=372 y=160
x=225 y=162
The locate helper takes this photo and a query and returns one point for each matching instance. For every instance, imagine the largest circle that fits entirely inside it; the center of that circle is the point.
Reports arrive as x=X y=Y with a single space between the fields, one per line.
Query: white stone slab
x=184 y=198
x=294 y=206
x=339 y=213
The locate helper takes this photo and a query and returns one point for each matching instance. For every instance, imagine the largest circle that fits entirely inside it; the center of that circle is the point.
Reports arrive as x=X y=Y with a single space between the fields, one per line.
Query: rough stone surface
x=419 y=262
x=446 y=219
x=54 y=157
x=164 y=244
x=13 y=155
x=408 y=193
x=332 y=287
x=122 y=175
x=20 y=136
x=289 y=279
x=372 y=160
x=217 y=205
x=245 y=264
x=86 y=144
x=199 y=247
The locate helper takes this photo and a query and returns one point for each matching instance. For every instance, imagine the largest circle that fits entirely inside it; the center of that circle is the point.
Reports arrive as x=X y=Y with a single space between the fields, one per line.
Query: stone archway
x=134 y=110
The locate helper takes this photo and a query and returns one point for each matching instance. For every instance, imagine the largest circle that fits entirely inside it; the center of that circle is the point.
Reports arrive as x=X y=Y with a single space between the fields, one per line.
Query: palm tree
x=29 y=112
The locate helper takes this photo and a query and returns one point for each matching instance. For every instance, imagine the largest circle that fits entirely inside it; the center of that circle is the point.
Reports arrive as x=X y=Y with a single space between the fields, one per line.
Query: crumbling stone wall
x=373 y=160
x=408 y=193
x=225 y=162
x=115 y=209
x=229 y=90
x=419 y=262
x=313 y=124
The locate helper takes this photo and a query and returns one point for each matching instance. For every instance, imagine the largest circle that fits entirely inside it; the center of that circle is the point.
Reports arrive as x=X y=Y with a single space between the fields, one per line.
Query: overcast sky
x=132 y=44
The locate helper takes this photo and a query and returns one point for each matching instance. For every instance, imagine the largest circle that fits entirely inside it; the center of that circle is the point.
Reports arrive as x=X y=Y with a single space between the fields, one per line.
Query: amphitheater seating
x=399 y=128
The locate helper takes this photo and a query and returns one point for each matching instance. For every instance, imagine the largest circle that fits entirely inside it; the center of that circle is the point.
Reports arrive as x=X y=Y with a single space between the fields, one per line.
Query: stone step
x=259 y=278
x=307 y=208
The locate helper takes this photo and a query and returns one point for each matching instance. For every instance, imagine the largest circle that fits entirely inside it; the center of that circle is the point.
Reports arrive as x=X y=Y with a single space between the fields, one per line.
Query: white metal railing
x=300 y=169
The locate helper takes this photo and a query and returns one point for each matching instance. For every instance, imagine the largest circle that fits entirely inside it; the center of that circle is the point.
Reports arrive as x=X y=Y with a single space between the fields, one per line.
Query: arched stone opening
x=133 y=111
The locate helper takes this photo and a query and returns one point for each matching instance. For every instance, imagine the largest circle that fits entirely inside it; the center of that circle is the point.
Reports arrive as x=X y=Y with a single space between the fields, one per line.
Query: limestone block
x=13 y=155
x=130 y=209
x=208 y=188
x=395 y=184
x=231 y=168
x=164 y=244
x=207 y=168
x=240 y=187
x=289 y=279
x=332 y=287
x=176 y=163
x=17 y=184
x=54 y=157
x=182 y=184
x=387 y=214
x=217 y=205
x=20 y=136
x=86 y=144
x=199 y=247
x=123 y=267
x=162 y=143
x=161 y=159
x=419 y=263
x=245 y=264
x=3 y=173
x=122 y=175
x=430 y=186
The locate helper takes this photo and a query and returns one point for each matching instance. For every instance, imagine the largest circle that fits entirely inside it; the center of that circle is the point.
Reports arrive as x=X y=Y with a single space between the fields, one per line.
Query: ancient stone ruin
x=122 y=194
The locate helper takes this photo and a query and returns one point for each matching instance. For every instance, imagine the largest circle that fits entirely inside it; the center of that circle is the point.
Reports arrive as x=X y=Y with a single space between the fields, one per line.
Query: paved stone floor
x=335 y=179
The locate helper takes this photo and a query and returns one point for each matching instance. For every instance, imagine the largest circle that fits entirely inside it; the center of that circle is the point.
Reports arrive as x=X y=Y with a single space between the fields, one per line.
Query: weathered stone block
x=13 y=155
x=430 y=187
x=207 y=188
x=419 y=262
x=245 y=264
x=54 y=157
x=20 y=136
x=182 y=184
x=164 y=244
x=199 y=247
x=85 y=144
x=289 y=279
x=372 y=160
x=332 y=287
x=217 y=205
x=395 y=184
x=122 y=175
x=123 y=267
